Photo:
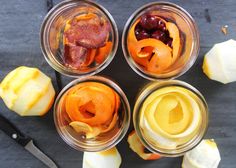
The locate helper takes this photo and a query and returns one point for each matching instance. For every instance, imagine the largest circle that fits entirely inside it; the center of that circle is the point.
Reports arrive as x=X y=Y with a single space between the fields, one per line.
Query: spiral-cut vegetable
x=92 y=108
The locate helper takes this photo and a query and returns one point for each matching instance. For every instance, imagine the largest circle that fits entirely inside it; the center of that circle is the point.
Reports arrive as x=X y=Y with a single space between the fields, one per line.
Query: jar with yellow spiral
x=170 y=117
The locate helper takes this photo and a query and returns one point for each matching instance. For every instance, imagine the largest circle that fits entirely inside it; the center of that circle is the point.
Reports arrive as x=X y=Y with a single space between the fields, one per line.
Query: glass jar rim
x=74 y=143
x=136 y=111
x=44 y=38
x=195 y=45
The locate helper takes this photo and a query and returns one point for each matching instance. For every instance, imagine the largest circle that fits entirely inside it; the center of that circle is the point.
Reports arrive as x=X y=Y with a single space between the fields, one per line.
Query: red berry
x=169 y=42
x=138 y=28
x=148 y=22
x=159 y=35
x=141 y=34
x=161 y=25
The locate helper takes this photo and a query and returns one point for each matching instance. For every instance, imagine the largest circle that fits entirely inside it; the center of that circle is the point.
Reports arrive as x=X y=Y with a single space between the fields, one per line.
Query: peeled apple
x=106 y=159
x=27 y=91
x=220 y=62
x=205 y=155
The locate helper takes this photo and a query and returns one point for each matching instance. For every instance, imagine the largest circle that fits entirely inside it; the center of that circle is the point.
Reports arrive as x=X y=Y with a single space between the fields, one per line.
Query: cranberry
x=169 y=42
x=159 y=35
x=148 y=22
x=138 y=28
x=161 y=25
x=141 y=34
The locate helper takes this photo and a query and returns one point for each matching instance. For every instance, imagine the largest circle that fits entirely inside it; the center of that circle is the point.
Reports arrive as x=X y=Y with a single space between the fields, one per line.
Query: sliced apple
x=206 y=154
x=137 y=147
x=106 y=159
x=220 y=62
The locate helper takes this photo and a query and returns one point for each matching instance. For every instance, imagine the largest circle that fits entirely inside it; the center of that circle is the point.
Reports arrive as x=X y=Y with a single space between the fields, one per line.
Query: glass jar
x=154 y=146
x=52 y=34
x=189 y=38
x=103 y=141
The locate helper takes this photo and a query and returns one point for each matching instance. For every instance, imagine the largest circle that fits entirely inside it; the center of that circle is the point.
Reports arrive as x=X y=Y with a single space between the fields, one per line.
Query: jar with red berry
x=160 y=41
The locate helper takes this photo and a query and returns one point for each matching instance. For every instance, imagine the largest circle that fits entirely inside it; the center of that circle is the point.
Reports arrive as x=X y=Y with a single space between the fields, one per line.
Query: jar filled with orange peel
x=160 y=41
x=92 y=114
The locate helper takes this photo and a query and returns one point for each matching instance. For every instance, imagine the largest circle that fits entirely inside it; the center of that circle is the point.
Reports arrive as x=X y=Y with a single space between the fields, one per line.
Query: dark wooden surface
x=19 y=45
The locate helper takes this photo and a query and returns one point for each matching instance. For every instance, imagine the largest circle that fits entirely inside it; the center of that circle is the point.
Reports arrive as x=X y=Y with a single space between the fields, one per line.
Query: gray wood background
x=19 y=45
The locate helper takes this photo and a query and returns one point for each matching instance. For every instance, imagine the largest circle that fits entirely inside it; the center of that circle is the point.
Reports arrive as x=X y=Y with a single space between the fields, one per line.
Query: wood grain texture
x=19 y=45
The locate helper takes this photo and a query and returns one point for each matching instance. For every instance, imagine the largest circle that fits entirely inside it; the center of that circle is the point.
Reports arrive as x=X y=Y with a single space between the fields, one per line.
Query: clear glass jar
x=102 y=141
x=198 y=133
x=188 y=33
x=52 y=29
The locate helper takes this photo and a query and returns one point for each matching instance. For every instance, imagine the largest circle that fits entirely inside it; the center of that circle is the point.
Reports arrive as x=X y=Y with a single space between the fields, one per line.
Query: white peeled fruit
x=205 y=155
x=27 y=91
x=105 y=159
x=220 y=62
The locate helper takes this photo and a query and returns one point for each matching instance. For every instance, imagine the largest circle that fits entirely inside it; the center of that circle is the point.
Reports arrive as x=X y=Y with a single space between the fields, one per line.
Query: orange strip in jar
x=90 y=57
x=175 y=35
x=103 y=52
x=94 y=104
x=87 y=16
x=131 y=35
x=141 y=57
x=162 y=58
